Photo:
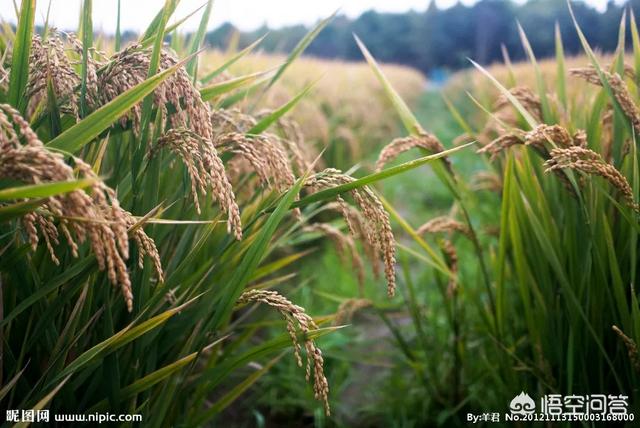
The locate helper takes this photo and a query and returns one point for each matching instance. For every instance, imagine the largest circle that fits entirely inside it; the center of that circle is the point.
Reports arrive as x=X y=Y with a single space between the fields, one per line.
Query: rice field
x=202 y=238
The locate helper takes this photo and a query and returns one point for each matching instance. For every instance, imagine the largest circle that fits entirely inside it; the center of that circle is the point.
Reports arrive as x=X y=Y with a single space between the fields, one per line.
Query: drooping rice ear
x=130 y=66
x=444 y=224
x=95 y=216
x=591 y=163
x=632 y=348
x=425 y=141
x=377 y=226
x=49 y=63
x=206 y=171
x=296 y=315
x=264 y=153
x=348 y=309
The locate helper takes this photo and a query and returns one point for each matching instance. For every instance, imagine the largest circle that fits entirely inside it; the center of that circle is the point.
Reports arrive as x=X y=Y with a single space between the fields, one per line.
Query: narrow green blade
x=19 y=74
x=274 y=116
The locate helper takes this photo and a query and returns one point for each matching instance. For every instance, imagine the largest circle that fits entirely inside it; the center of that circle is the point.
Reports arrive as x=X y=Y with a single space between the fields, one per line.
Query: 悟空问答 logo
x=522 y=404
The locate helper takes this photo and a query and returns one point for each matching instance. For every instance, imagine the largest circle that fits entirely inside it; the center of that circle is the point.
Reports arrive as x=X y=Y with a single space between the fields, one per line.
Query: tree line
x=437 y=39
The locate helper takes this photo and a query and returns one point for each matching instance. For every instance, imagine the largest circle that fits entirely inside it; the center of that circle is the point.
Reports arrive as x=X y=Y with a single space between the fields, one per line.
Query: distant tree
x=444 y=38
x=219 y=38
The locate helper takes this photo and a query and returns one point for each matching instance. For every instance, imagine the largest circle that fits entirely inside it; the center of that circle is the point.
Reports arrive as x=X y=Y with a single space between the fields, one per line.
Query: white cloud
x=246 y=14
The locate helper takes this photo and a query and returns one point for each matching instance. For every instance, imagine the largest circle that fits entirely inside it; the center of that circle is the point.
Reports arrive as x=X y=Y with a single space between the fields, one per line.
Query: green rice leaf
x=635 y=39
x=19 y=73
x=217 y=89
x=235 y=392
x=410 y=122
x=198 y=37
x=44 y=190
x=118 y=41
x=232 y=60
x=504 y=91
x=43 y=402
x=300 y=48
x=15 y=210
x=594 y=61
x=124 y=336
x=87 y=42
x=542 y=87
x=275 y=115
x=9 y=385
x=561 y=75
x=253 y=257
x=148 y=40
x=154 y=27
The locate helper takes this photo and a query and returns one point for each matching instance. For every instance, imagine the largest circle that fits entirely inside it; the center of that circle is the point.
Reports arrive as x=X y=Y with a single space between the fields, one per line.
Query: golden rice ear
x=229 y=121
x=4 y=79
x=632 y=348
x=293 y=141
x=484 y=180
x=590 y=74
x=348 y=309
x=95 y=216
x=500 y=144
x=206 y=171
x=539 y=137
x=451 y=256
x=264 y=153
x=48 y=62
x=296 y=315
x=618 y=87
x=622 y=94
x=400 y=145
x=130 y=66
x=377 y=227
x=591 y=163
x=526 y=96
x=543 y=134
x=444 y=224
x=357 y=229
x=146 y=245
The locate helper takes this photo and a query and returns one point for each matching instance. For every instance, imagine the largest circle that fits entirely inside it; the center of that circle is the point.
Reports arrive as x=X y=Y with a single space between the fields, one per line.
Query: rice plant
x=166 y=214
x=534 y=267
x=147 y=211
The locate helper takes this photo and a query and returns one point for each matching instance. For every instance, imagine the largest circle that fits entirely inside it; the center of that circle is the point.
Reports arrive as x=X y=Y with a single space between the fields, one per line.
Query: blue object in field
x=438 y=77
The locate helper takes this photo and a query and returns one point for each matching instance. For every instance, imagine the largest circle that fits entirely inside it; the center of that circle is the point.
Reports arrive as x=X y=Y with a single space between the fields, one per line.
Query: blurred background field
x=346 y=102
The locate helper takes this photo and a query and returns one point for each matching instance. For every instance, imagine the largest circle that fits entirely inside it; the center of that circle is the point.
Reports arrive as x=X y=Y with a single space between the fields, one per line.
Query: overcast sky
x=245 y=14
